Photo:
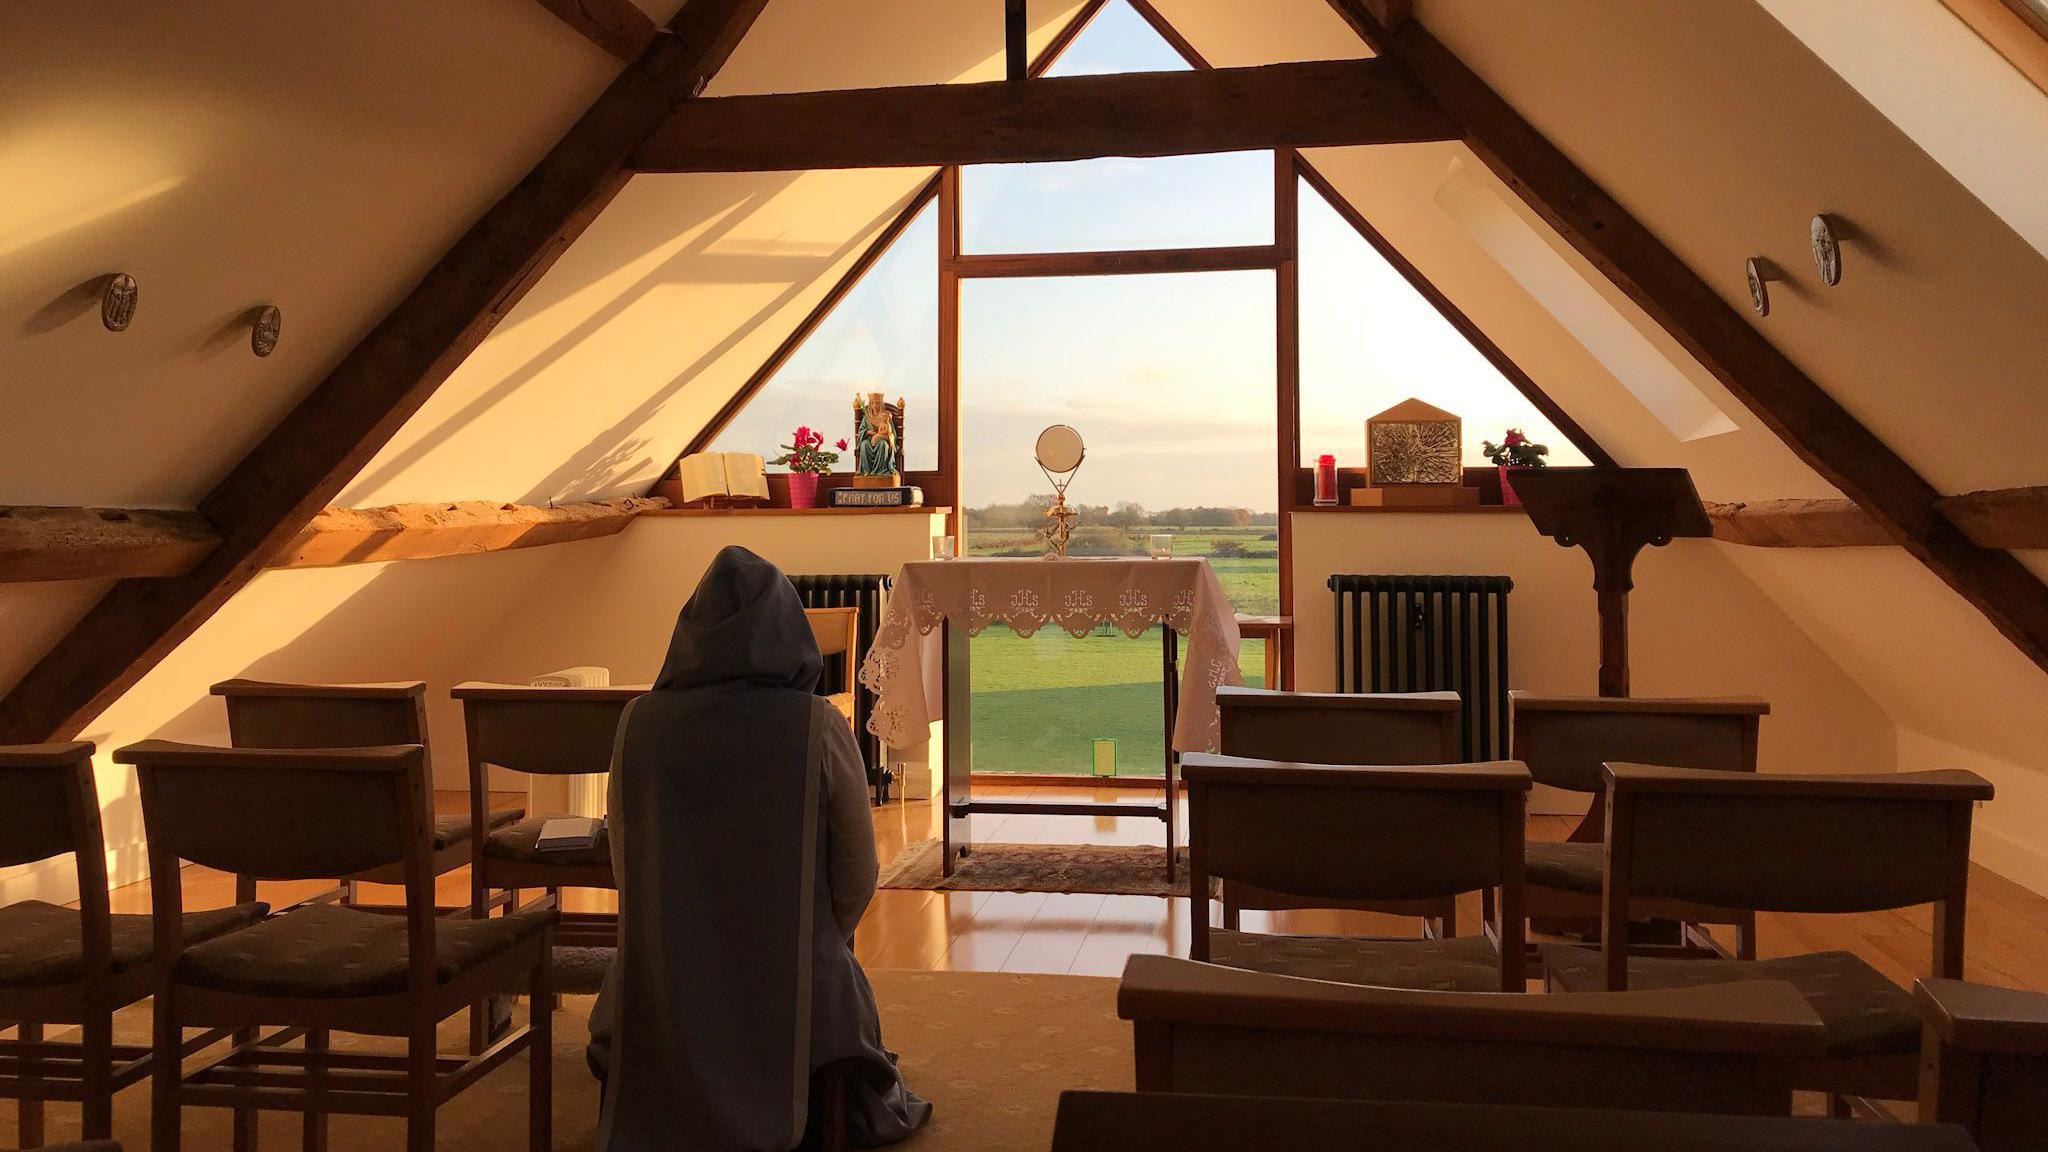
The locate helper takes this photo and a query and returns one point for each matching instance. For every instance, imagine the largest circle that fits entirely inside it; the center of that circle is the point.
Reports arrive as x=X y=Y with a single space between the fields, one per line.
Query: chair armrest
x=1980 y=1018
x=394 y=689
x=1762 y=1017
x=1949 y=784
x=481 y=690
x=1522 y=701
x=1228 y=694
x=1495 y=776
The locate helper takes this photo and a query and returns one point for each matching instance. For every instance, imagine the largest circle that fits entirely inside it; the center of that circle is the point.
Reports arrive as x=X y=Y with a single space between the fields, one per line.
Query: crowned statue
x=878 y=441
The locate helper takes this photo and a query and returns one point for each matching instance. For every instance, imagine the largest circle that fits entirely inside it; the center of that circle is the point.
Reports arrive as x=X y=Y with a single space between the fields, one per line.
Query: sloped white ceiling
x=1934 y=77
x=685 y=285
x=319 y=157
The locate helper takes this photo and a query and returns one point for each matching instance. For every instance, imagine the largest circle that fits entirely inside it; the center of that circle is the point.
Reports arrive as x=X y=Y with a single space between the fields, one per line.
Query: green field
x=1040 y=704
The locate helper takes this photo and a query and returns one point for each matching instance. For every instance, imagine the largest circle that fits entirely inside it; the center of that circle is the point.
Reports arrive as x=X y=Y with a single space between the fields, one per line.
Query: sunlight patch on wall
x=1612 y=337
x=66 y=177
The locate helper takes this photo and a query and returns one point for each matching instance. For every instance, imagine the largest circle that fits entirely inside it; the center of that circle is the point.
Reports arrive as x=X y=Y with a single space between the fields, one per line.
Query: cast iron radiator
x=1430 y=634
x=865 y=593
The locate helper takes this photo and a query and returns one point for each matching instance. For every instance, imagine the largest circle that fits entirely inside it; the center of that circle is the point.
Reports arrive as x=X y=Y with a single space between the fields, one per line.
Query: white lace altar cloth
x=903 y=665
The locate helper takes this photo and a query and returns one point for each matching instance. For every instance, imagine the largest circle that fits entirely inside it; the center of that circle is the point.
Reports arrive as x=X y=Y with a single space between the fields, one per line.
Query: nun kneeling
x=745 y=856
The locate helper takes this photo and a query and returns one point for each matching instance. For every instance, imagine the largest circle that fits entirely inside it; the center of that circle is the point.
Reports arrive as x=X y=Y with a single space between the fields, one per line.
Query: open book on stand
x=723 y=479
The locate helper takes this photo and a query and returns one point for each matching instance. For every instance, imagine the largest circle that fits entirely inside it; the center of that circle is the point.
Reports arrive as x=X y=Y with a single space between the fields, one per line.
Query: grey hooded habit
x=744 y=855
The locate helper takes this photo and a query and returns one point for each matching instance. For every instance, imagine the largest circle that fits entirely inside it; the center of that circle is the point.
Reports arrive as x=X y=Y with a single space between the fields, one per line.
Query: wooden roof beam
x=466 y=528
x=135 y=543
x=1325 y=103
x=616 y=26
x=2002 y=518
x=1813 y=424
x=100 y=543
x=320 y=445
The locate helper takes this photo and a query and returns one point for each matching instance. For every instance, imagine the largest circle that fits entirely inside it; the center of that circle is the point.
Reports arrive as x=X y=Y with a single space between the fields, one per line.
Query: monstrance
x=1060 y=452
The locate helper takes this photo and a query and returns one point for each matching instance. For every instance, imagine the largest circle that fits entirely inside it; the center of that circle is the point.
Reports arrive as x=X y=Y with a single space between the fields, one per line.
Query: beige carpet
x=1111 y=869
x=991 y=1051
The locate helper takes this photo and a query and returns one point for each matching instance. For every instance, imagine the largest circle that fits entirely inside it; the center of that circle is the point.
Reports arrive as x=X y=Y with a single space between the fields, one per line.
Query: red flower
x=841 y=445
x=1514 y=439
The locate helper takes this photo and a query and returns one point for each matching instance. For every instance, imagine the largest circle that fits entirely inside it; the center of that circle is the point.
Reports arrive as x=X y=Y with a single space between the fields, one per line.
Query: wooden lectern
x=1612 y=513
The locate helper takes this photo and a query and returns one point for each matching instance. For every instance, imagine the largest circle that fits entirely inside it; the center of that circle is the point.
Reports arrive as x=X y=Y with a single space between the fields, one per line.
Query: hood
x=744 y=624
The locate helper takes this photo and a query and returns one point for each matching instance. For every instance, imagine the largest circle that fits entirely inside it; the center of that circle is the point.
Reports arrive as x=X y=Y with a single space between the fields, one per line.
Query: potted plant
x=806 y=458
x=1514 y=451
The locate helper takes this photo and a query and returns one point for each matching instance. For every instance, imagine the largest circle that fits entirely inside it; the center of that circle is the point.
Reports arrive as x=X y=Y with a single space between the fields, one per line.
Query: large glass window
x=883 y=337
x=1369 y=340
x=1117 y=202
x=1170 y=379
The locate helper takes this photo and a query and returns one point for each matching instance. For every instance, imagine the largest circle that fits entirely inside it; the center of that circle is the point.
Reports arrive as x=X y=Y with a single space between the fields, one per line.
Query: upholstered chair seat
x=520 y=842
x=452 y=828
x=1569 y=866
x=1865 y=1014
x=40 y=944
x=331 y=951
x=1458 y=964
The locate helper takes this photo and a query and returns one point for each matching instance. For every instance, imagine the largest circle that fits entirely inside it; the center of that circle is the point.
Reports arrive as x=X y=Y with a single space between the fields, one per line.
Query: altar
x=917 y=665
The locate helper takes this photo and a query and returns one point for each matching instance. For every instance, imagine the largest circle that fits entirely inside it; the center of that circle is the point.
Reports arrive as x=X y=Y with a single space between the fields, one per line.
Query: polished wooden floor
x=1094 y=934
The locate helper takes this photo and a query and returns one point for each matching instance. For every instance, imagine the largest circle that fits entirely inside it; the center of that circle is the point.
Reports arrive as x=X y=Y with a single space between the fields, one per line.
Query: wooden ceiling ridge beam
x=617 y=26
x=1321 y=103
x=303 y=463
x=1811 y=422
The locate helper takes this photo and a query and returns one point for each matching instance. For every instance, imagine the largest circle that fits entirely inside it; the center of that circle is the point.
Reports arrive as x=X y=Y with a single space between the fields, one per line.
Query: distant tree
x=1128 y=514
x=1227 y=548
x=1099 y=540
x=1203 y=517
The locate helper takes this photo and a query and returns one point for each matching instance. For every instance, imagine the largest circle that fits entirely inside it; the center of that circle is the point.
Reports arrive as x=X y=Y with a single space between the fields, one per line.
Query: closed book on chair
x=569 y=834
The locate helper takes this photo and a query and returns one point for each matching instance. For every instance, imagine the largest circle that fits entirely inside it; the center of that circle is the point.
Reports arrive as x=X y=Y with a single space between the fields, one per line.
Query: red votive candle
x=1326 y=480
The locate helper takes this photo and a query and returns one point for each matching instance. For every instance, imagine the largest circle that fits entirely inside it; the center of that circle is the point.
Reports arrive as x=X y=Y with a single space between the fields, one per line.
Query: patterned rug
x=1113 y=869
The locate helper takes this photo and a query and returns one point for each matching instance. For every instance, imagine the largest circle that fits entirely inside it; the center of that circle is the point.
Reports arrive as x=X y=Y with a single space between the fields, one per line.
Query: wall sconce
x=1827 y=233
x=117 y=301
x=1760 y=273
x=263 y=332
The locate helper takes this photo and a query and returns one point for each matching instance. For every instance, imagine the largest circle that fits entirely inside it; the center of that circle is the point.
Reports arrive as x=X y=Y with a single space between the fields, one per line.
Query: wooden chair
x=1200 y=1028
x=73 y=966
x=838 y=634
x=321 y=968
x=549 y=732
x=1360 y=835
x=1815 y=844
x=1340 y=728
x=1566 y=741
x=263 y=714
x=1984 y=1063
x=1120 y=1121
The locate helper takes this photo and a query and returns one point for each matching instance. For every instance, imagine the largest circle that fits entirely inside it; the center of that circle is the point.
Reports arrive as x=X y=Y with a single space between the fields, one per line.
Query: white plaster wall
x=1698 y=627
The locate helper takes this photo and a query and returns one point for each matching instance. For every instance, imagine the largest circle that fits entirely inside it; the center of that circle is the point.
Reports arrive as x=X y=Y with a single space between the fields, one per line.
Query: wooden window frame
x=1293 y=173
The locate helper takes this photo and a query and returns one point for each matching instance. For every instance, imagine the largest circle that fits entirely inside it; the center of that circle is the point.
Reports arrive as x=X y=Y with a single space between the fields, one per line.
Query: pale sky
x=1170 y=379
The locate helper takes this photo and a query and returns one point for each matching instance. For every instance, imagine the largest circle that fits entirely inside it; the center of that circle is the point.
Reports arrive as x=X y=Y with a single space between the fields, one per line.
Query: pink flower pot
x=1507 y=489
x=803 y=489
